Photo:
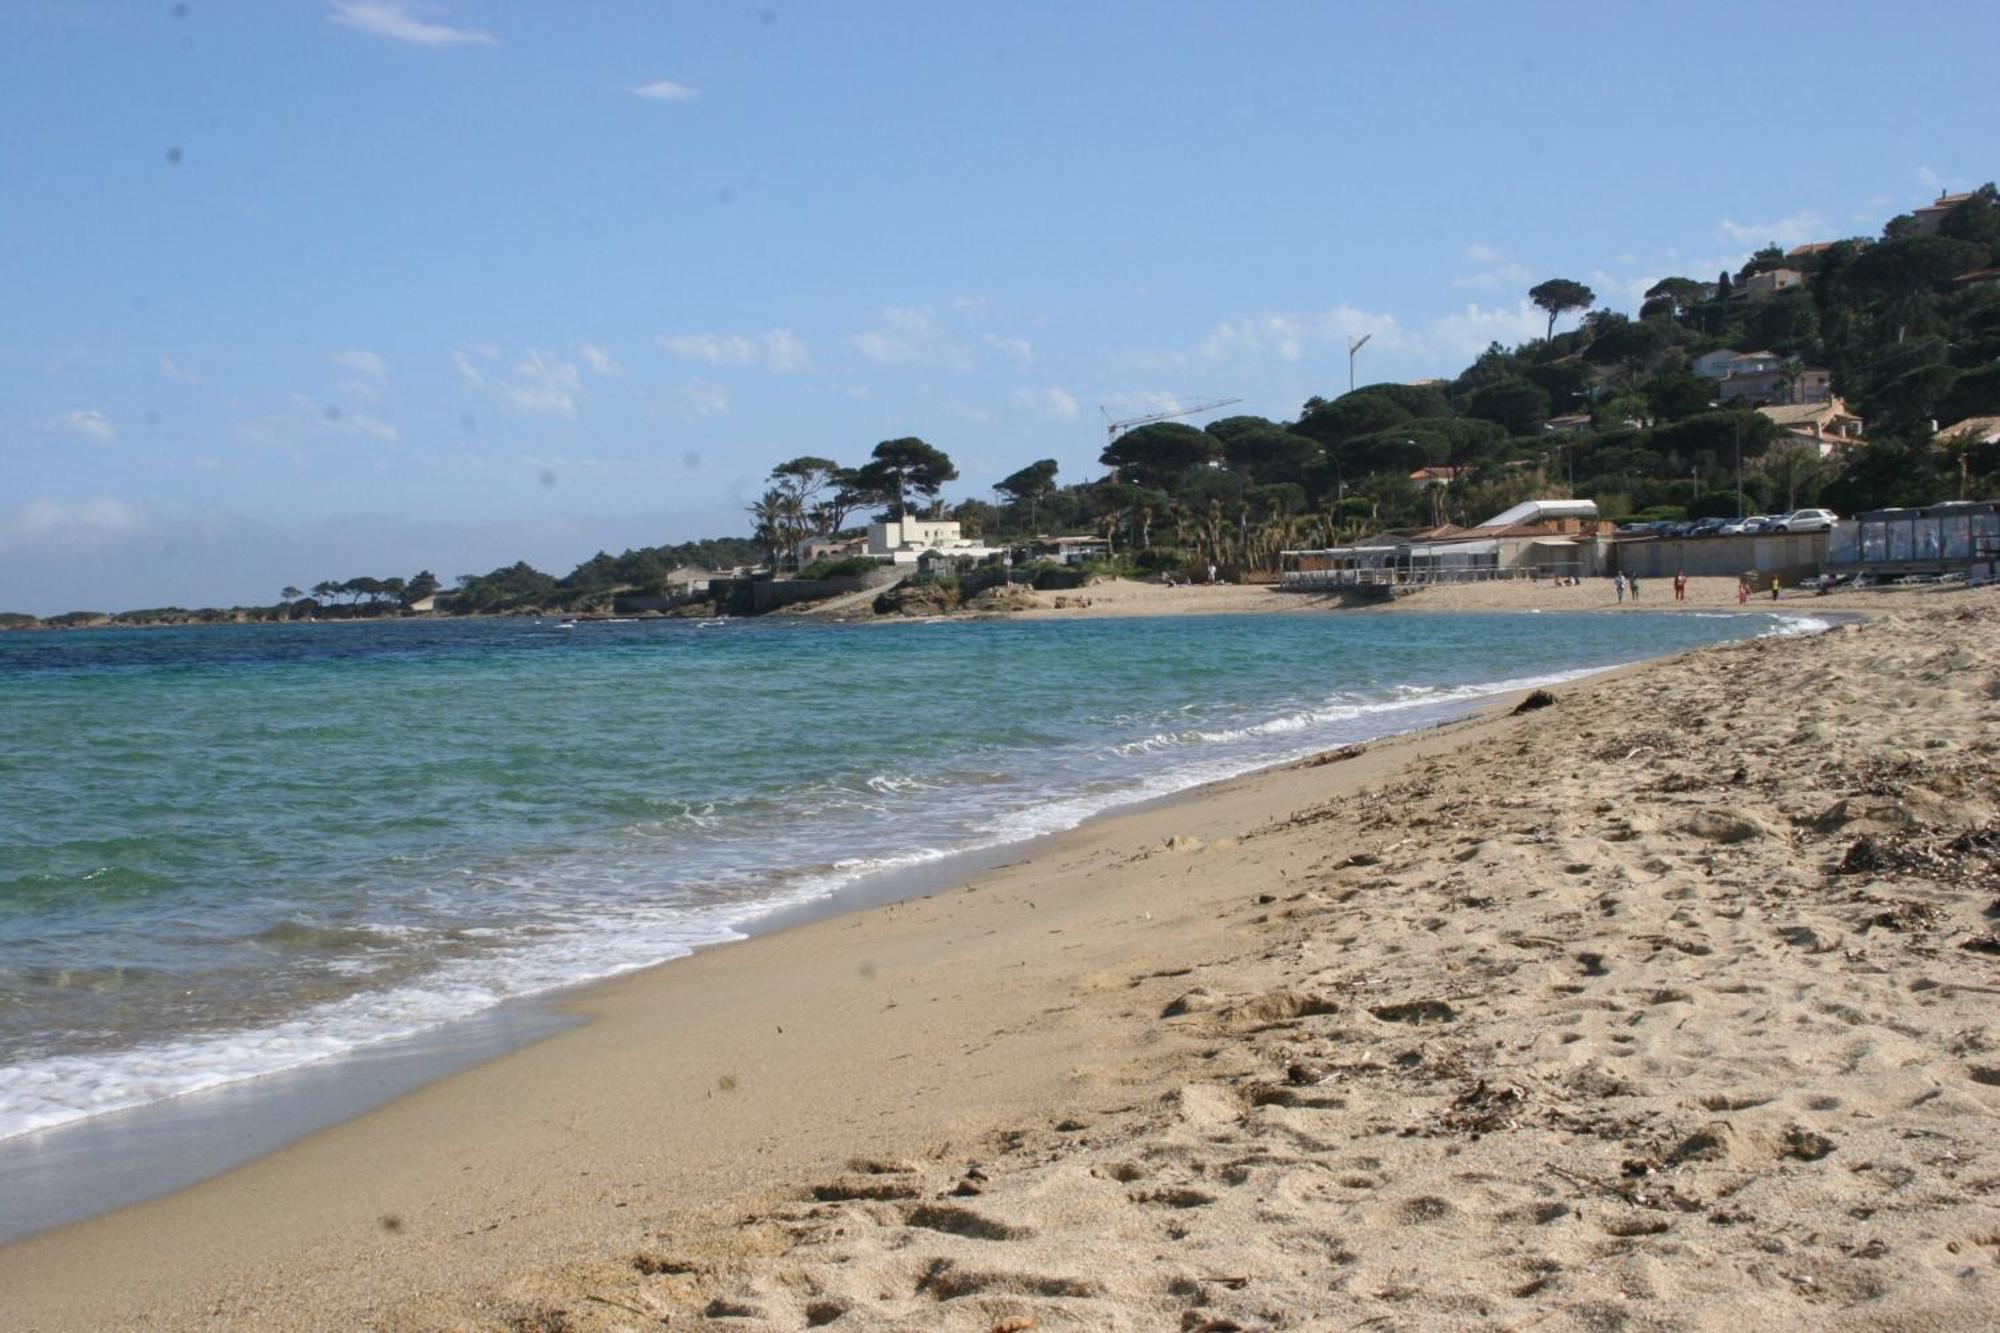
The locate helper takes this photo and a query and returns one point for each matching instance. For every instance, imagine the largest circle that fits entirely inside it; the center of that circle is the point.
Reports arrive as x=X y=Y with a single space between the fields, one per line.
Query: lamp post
x=1354 y=345
x=1739 y=467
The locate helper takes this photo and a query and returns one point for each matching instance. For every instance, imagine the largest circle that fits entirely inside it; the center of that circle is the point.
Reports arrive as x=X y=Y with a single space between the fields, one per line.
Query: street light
x=1354 y=345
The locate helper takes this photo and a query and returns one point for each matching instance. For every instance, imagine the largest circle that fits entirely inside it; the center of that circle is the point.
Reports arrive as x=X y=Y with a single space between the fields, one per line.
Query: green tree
x=899 y=467
x=291 y=594
x=423 y=585
x=1159 y=455
x=1680 y=294
x=808 y=482
x=1029 y=486
x=1558 y=296
x=1517 y=406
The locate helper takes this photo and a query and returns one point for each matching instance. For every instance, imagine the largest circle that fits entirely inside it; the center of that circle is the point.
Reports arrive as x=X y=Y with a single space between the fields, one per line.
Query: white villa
x=902 y=541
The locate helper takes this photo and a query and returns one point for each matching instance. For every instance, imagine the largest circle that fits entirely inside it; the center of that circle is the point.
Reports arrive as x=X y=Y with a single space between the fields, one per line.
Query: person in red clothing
x=1680 y=585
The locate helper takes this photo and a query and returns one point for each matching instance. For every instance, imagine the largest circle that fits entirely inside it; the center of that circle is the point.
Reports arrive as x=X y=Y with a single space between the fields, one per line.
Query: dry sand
x=1127 y=597
x=1670 y=1005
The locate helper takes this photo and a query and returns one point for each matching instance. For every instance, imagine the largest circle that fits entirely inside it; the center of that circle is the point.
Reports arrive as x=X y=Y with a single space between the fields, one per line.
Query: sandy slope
x=1650 y=1009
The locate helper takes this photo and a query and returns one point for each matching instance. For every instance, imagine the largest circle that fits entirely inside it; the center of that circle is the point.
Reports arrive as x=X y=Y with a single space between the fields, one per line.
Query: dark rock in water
x=1539 y=699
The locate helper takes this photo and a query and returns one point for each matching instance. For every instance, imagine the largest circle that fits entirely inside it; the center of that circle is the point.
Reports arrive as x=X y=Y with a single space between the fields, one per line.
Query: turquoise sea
x=229 y=851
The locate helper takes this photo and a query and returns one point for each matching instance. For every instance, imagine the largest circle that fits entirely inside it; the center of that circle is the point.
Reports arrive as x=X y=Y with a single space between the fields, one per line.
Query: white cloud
x=173 y=370
x=1142 y=402
x=1804 y=225
x=1504 y=275
x=1019 y=348
x=1287 y=334
x=361 y=362
x=1481 y=254
x=703 y=398
x=51 y=523
x=1058 y=403
x=540 y=385
x=664 y=90
x=468 y=367
x=392 y=19
x=908 y=336
x=777 y=350
x=1466 y=333
x=599 y=360
x=90 y=422
x=971 y=412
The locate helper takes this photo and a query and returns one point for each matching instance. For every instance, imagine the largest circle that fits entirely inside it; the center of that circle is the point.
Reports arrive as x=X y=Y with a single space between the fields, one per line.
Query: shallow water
x=228 y=851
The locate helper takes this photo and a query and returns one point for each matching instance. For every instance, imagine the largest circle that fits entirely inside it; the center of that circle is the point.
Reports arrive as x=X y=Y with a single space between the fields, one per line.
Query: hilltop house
x=1726 y=361
x=1925 y=220
x=1427 y=478
x=1810 y=384
x=1767 y=284
x=1828 y=426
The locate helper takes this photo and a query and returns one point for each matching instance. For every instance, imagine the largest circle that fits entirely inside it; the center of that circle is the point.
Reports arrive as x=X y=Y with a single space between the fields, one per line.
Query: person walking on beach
x=1633 y=584
x=1776 y=583
x=1681 y=585
x=1211 y=571
x=1742 y=591
x=1618 y=583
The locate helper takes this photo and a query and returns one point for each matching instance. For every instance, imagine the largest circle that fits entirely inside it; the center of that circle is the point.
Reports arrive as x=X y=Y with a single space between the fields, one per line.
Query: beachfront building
x=1829 y=427
x=903 y=541
x=1535 y=539
x=1961 y=538
x=1073 y=550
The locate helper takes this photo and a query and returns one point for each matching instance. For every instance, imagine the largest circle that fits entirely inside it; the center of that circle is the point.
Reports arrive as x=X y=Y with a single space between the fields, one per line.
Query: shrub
x=846 y=567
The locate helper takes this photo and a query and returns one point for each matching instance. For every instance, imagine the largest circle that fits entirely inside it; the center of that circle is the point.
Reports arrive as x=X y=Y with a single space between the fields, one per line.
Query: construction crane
x=1116 y=427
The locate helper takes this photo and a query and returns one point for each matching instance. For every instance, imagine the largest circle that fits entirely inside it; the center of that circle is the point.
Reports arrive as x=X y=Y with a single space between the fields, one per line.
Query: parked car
x=1707 y=527
x=1735 y=527
x=1807 y=520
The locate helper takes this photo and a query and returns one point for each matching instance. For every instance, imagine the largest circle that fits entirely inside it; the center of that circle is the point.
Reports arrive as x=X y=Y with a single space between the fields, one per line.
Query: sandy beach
x=1128 y=597
x=1666 y=1005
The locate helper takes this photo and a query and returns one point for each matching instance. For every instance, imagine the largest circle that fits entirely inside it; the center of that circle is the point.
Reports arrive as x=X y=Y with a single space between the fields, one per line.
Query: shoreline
x=676 y=1137
x=80 y=1169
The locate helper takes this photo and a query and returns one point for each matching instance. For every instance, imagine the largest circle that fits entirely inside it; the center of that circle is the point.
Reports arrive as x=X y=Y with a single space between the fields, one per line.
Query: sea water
x=228 y=851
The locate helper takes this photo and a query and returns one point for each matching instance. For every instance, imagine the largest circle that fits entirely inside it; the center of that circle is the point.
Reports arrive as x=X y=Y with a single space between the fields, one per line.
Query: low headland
x=1664 y=1003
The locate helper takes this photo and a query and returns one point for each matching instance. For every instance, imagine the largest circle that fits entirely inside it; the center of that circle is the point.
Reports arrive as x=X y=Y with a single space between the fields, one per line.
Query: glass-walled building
x=1962 y=537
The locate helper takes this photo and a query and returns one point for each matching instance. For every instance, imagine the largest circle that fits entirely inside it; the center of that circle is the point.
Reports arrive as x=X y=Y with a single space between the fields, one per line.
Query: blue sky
x=298 y=289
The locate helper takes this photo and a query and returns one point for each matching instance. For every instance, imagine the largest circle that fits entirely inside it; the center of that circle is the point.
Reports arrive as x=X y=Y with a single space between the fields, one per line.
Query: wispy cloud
x=361 y=362
x=1055 y=402
x=1481 y=254
x=89 y=423
x=52 y=523
x=392 y=19
x=1804 y=225
x=1499 y=271
x=1466 y=333
x=539 y=384
x=1288 y=334
x=174 y=370
x=1019 y=348
x=664 y=90
x=908 y=336
x=599 y=360
x=777 y=350
x=700 y=399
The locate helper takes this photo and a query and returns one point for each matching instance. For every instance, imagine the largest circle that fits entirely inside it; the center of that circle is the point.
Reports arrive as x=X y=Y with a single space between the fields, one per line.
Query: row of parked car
x=1799 y=520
